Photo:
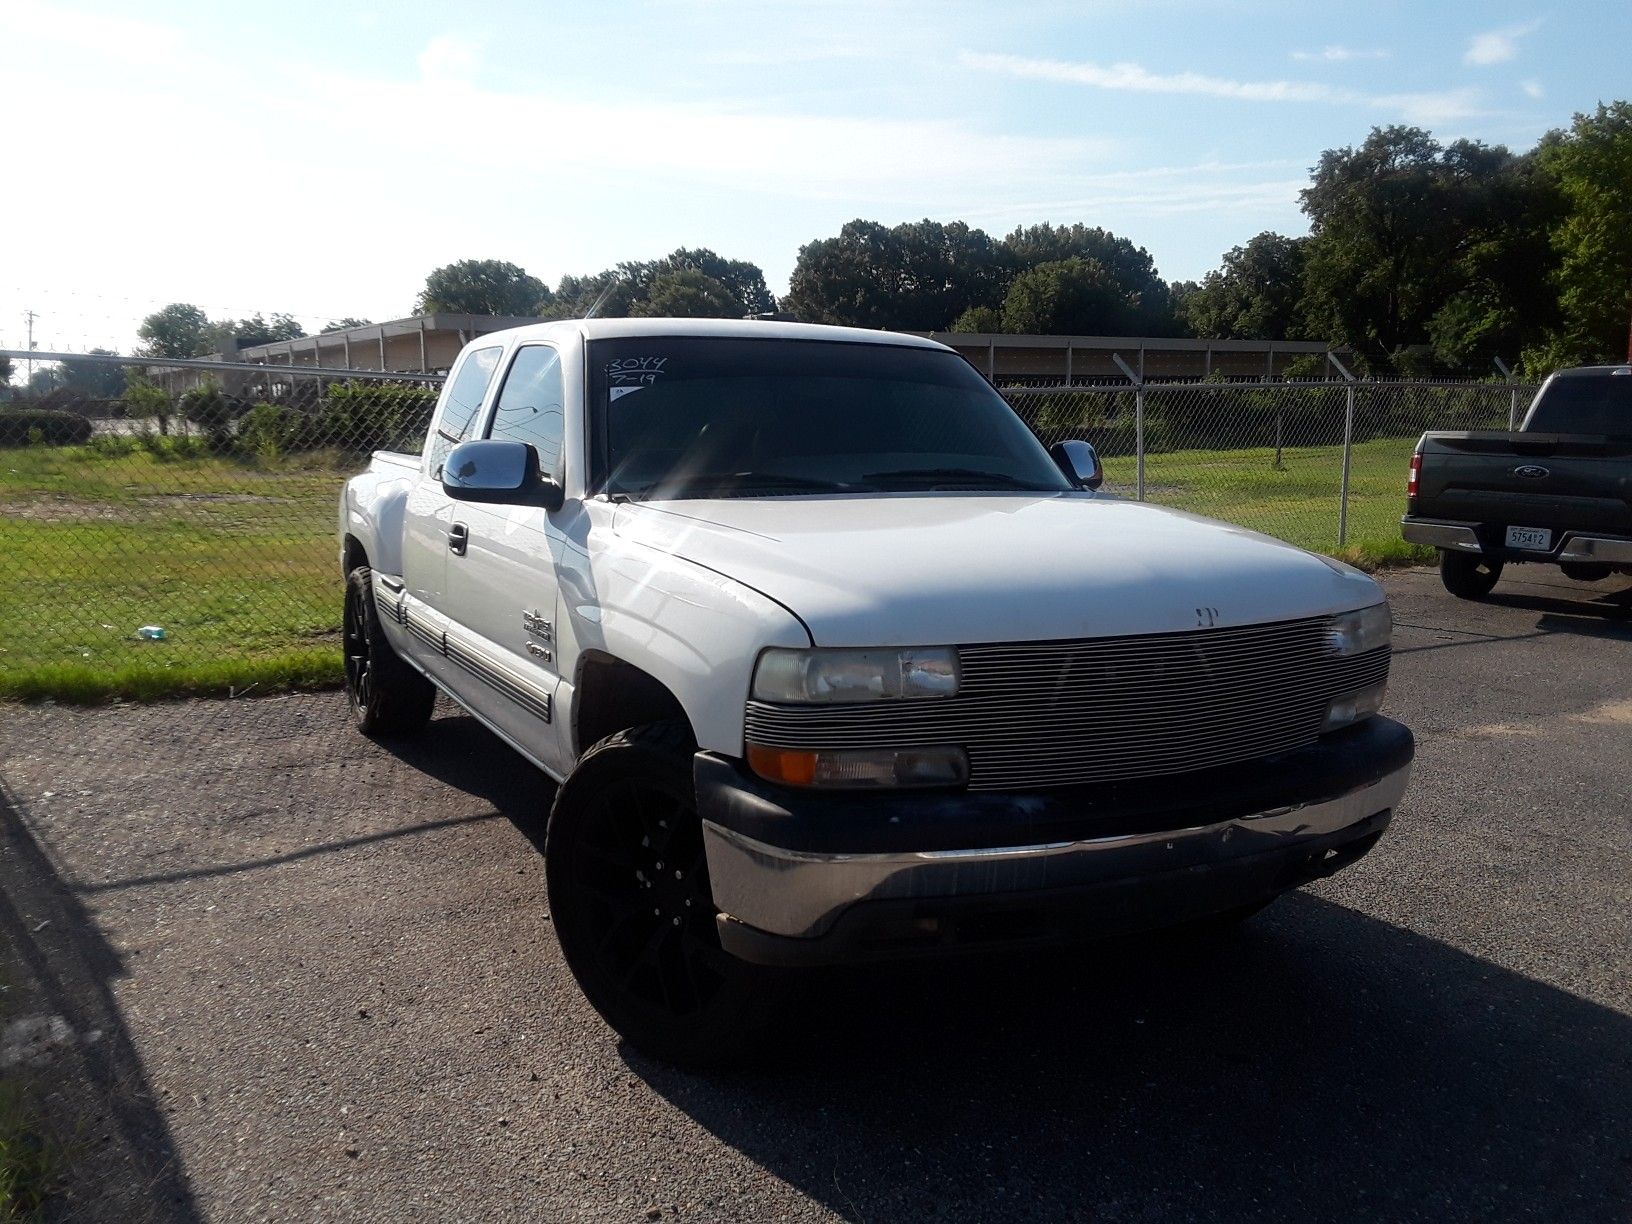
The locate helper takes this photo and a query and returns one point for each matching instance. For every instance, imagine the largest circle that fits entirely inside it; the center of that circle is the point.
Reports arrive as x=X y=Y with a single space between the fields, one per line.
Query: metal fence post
x=1138 y=381
x=1348 y=451
x=1512 y=394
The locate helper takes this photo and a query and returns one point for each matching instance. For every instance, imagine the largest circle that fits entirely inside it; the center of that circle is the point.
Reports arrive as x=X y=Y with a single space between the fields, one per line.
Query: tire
x=630 y=900
x=386 y=695
x=1468 y=575
x=1585 y=571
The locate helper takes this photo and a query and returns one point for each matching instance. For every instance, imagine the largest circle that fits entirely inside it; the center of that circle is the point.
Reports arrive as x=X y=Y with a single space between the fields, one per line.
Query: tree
x=483 y=287
x=1256 y=295
x=1129 y=266
x=605 y=295
x=917 y=276
x=686 y=293
x=744 y=281
x=5 y=371
x=1590 y=166
x=178 y=330
x=1411 y=241
x=93 y=379
x=257 y=330
x=1069 y=297
x=978 y=319
x=346 y=324
x=44 y=380
x=143 y=401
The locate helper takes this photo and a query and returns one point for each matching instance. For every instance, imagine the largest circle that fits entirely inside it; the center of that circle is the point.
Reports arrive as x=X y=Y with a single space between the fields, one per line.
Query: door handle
x=458 y=539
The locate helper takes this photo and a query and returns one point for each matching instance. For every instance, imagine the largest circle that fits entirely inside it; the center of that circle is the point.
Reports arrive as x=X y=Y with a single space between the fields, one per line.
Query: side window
x=457 y=416
x=530 y=405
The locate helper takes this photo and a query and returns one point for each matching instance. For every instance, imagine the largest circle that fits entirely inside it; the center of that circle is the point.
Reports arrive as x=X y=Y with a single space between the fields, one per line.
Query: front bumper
x=1579 y=546
x=805 y=877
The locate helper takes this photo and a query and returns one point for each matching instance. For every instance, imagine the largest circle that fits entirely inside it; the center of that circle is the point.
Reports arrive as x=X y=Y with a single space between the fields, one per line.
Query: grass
x=1296 y=502
x=238 y=562
x=28 y=1167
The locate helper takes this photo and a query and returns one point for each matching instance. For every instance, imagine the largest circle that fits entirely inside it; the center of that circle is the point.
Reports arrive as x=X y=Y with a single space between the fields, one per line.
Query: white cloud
x=33 y=25
x=1339 y=54
x=1532 y=89
x=1498 y=46
x=1426 y=108
x=449 y=59
x=637 y=145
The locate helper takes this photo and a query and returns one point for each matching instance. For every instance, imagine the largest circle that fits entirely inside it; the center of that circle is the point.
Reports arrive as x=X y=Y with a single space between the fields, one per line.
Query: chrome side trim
x=800 y=894
x=1459 y=536
x=1605 y=549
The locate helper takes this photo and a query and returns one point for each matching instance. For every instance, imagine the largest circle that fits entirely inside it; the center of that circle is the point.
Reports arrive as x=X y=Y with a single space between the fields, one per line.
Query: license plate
x=1535 y=539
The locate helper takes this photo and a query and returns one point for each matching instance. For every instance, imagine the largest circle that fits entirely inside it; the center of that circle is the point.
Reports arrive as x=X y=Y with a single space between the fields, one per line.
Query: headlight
x=1347 y=710
x=1355 y=633
x=862 y=769
x=812 y=676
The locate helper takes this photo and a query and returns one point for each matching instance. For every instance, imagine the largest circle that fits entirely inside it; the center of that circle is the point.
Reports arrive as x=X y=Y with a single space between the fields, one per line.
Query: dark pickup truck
x=1558 y=492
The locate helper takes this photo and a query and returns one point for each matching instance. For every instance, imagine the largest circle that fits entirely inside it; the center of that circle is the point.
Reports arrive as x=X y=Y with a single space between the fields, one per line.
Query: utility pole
x=30 y=316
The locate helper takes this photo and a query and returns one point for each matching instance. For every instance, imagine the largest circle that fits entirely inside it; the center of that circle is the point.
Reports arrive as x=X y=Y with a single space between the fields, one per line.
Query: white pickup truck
x=833 y=660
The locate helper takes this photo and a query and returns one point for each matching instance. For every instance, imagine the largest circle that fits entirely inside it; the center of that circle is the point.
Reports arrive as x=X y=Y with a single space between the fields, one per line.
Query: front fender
x=696 y=631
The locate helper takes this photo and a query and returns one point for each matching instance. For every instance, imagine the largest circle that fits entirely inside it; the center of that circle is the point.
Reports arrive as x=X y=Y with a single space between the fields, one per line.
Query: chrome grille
x=1060 y=713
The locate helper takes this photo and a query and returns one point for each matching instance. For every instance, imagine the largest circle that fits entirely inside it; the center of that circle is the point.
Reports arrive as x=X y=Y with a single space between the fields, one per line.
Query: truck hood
x=914 y=569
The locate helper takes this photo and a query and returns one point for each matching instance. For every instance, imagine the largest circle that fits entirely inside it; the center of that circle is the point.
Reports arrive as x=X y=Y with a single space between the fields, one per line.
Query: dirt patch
x=1611 y=713
x=237 y=499
x=49 y=508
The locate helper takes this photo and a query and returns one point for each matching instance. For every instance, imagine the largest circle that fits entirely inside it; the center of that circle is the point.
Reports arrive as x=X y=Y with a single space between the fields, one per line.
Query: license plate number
x=1536 y=539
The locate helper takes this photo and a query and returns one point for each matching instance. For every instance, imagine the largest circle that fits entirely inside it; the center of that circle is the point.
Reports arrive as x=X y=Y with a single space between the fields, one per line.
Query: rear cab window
x=1595 y=403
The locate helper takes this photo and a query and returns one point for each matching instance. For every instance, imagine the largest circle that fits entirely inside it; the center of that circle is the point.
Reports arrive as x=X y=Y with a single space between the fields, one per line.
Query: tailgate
x=1561 y=481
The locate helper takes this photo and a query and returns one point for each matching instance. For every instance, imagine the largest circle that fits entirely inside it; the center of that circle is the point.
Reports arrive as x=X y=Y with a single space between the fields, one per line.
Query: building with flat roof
x=428 y=344
x=1052 y=360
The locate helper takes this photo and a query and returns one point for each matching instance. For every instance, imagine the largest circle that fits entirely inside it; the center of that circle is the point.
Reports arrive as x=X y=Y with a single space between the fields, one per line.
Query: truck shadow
x=120 y=1159
x=1319 y=1064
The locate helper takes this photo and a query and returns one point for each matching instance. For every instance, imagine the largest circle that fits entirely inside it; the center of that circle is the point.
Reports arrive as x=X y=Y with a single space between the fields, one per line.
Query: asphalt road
x=324 y=986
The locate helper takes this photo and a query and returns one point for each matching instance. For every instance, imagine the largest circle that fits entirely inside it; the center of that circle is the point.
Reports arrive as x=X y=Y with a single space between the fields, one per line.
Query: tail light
x=1416 y=471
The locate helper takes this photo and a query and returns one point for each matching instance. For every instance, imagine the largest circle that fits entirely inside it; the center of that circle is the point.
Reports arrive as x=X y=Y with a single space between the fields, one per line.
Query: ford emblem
x=1532 y=471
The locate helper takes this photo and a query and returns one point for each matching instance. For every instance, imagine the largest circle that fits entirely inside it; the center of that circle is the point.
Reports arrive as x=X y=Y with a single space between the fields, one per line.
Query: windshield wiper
x=738 y=482
x=935 y=477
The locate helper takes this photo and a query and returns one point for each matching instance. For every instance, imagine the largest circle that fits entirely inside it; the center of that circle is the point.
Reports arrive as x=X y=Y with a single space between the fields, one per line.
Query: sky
x=320 y=158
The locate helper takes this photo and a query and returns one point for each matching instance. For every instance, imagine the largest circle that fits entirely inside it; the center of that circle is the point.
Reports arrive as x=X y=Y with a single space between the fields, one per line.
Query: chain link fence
x=198 y=501
x=1275 y=457
x=178 y=534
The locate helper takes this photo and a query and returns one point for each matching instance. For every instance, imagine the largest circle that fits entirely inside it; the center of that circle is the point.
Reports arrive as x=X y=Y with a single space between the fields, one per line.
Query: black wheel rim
x=356 y=649
x=643 y=876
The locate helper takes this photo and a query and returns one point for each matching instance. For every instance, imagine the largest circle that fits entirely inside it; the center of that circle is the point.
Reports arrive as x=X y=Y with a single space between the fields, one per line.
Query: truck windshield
x=691 y=416
x=1597 y=403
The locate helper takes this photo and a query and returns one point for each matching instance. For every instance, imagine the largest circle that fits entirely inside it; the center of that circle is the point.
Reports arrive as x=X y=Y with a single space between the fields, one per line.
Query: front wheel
x=630 y=901
x=386 y=695
x=1468 y=575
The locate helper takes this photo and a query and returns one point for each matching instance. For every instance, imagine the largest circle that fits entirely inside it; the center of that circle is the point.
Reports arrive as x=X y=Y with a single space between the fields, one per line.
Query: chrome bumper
x=801 y=895
x=1602 y=549
x=1462 y=537
x=1458 y=536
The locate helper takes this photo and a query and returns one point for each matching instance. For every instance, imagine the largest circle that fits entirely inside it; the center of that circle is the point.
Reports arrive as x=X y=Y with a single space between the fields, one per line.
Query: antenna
x=30 y=316
x=606 y=292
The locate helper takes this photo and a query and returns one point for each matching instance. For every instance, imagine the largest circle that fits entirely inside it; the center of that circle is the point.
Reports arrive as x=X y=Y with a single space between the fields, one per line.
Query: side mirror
x=488 y=470
x=1080 y=463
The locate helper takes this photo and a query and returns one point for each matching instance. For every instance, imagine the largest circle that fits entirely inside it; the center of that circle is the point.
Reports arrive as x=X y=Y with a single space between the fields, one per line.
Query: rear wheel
x=1468 y=575
x=630 y=900
x=1586 y=571
x=386 y=695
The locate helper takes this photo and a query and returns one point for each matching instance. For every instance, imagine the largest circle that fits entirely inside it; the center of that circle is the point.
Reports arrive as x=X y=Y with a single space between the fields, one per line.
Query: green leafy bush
x=51 y=427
